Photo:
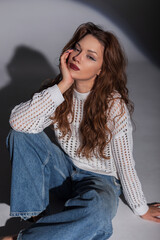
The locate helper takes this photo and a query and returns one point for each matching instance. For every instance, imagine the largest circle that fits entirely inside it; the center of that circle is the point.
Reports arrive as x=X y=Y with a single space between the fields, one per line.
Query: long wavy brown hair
x=93 y=130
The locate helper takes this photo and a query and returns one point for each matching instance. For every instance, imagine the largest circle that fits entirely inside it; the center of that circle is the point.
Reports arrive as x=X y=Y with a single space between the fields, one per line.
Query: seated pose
x=91 y=161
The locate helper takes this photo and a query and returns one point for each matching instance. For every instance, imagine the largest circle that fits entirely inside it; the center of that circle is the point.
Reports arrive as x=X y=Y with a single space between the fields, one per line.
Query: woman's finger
x=66 y=53
x=157 y=212
x=66 y=75
x=156 y=204
x=64 y=56
x=155 y=219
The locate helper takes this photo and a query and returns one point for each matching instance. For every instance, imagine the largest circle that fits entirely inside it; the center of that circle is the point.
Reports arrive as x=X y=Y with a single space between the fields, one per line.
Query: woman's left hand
x=153 y=213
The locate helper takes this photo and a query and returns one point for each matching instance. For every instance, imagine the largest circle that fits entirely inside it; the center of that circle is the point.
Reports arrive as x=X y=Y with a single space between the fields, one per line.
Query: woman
x=88 y=106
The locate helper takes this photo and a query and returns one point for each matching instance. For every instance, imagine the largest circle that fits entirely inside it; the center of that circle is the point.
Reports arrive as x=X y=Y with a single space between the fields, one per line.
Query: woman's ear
x=99 y=72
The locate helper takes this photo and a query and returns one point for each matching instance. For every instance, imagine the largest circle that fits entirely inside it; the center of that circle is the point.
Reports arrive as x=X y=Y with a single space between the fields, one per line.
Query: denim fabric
x=38 y=166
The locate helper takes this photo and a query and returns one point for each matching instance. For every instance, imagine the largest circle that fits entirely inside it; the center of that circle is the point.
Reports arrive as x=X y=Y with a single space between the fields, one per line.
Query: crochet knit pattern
x=34 y=115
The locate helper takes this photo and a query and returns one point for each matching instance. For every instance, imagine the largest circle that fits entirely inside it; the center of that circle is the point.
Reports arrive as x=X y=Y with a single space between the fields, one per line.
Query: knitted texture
x=34 y=115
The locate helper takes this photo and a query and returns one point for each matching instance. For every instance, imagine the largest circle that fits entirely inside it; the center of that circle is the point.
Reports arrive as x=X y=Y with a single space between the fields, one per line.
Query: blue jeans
x=38 y=166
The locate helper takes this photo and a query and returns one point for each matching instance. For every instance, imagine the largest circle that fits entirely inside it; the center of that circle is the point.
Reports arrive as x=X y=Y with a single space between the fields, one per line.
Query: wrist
x=63 y=87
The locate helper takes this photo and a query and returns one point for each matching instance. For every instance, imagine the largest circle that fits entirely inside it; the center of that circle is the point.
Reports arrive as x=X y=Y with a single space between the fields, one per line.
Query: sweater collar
x=81 y=96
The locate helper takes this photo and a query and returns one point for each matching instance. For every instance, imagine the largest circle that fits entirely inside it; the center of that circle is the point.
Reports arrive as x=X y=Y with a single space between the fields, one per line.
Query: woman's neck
x=83 y=87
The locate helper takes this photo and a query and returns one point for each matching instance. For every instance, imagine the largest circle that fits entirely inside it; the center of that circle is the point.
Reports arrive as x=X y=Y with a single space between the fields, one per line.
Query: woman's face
x=85 y=61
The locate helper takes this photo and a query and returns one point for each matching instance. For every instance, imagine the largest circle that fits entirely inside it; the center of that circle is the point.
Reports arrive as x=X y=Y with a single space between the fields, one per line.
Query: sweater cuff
x=141 y=210
x=56 y=95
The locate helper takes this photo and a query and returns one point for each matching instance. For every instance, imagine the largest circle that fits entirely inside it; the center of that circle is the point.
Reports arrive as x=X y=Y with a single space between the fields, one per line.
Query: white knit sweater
x=34 y=115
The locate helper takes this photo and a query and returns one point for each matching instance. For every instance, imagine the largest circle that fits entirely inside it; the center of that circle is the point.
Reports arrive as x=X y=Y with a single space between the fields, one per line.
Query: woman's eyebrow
x=87 y=50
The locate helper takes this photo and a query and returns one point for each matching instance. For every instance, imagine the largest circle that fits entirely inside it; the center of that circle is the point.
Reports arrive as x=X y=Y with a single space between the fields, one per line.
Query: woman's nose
x=77 y=57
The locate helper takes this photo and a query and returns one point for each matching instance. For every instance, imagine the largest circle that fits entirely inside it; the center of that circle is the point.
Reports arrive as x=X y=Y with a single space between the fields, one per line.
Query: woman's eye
x=76 y=49
x=90 y=57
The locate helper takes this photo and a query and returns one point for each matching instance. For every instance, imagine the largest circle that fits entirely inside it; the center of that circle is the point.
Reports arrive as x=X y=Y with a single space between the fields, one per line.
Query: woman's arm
x=122 y=151
x=33 y=115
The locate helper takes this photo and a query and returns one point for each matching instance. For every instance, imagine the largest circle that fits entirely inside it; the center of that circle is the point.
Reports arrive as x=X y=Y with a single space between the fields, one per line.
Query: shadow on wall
x=27 y=69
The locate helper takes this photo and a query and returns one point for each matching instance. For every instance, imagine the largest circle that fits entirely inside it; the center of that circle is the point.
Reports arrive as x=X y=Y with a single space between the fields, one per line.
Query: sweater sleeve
x=34 y=115
x=122 y=151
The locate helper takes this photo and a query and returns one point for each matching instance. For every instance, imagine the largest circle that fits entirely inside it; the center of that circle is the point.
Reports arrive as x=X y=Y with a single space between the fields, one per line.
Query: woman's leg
x=87 y=214
x=37 y=166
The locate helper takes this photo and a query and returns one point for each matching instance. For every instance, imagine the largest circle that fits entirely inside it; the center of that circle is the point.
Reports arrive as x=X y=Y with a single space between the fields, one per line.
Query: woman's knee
x=20 y=142
x=20 y=138
x=13 y=136
x=13 y=133
x=16 y=136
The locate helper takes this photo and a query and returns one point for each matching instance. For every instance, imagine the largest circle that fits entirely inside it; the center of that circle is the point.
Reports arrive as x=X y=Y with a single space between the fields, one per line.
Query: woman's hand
x=67 y=79
x=153 y=213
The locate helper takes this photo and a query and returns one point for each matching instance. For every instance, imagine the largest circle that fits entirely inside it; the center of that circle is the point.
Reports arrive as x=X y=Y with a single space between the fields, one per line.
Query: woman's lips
x=74 y=67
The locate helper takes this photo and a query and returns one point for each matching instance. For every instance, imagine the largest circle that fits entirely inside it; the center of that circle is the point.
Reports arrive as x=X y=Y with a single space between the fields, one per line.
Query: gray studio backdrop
x=32 y=34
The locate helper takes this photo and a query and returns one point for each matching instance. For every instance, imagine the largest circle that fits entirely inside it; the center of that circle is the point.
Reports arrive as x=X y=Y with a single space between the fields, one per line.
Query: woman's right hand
x=67 y=79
